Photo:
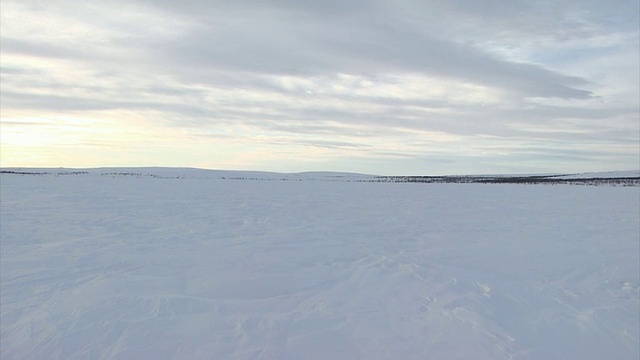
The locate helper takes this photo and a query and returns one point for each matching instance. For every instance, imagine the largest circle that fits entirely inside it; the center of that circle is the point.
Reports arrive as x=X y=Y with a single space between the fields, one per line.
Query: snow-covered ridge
x=607 y=174
x=625 y=178
x=186 y=173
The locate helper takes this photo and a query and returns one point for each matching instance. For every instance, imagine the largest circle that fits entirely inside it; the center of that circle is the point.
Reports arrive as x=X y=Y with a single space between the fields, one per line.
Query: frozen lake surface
x=127 y=267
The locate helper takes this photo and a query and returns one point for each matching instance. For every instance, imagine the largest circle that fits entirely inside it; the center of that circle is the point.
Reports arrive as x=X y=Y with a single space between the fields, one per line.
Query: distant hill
x=624 y=178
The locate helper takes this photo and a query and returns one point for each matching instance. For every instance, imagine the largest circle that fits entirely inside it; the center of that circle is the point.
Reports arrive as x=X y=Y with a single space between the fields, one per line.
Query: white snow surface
x=197 y=267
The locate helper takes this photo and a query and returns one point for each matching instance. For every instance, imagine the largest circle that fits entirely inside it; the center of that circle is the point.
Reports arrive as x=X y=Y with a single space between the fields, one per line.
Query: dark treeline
x=23 y=172
x=551 y=180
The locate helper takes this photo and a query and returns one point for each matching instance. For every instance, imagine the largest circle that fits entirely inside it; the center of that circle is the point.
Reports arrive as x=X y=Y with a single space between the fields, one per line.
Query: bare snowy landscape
x=161 y=263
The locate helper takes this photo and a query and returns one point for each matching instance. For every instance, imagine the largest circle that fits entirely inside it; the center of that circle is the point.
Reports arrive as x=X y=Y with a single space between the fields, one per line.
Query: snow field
x=146 y=268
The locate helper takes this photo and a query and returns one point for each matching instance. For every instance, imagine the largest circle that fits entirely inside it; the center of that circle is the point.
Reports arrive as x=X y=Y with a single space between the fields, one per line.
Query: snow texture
x=197 y=267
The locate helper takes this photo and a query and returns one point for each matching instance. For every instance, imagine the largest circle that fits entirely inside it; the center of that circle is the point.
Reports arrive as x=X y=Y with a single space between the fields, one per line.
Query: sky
x=406 y=87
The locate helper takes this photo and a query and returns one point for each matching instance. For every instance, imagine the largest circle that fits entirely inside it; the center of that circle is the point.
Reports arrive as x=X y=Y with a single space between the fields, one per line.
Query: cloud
x=306 y=41
x=360 y=79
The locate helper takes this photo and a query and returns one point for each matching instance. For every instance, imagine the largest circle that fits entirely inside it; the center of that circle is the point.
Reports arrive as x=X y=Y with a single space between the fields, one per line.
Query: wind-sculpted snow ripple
x=170 y=268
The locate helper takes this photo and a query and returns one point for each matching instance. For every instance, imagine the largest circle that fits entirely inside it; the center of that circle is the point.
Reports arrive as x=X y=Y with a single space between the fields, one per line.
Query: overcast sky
x=418 y=87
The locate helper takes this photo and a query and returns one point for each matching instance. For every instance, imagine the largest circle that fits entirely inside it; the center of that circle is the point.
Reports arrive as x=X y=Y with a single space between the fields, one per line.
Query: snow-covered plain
x=198 y=267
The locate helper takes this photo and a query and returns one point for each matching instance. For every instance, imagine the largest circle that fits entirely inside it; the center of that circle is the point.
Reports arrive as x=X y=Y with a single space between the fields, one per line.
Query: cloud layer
x=419 y=87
